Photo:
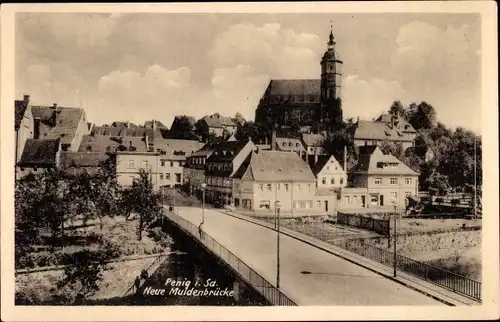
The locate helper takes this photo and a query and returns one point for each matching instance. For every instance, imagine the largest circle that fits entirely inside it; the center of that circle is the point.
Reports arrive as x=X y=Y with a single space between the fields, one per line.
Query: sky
x=146 y=66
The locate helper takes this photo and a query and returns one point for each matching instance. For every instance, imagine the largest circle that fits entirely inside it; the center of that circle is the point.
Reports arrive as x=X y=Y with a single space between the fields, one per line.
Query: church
x=313 y=103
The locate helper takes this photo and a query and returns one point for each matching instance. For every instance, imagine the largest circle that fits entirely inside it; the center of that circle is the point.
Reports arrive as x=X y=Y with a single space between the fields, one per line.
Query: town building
x=221 y=165
x=173 y=158
x=68 y=124
x=194 y=169
x=217 y=125
x=291 y=145
x=313 y=144
x=386 y=128
x=306 y=102
x=23 y=124
x=267 y=176
x=130 y=163
x=328 y=172
x=39 y=155
x=78 y=162
x=388 y=180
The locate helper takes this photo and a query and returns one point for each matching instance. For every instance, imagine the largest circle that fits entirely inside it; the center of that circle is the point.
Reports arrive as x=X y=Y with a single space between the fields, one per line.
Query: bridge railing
x=457 y=283
x=254 y=279
x=150 y=270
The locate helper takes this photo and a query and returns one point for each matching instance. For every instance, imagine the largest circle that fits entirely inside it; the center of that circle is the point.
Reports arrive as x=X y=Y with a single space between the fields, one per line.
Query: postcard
x=249 y=161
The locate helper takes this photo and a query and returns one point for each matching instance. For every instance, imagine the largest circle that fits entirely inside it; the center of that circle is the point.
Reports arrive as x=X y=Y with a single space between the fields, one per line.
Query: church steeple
x=331 y=42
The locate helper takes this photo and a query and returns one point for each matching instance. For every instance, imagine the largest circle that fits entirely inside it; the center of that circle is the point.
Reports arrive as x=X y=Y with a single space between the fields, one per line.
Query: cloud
x=270 y=49
x=156 y=92
x=368 y=98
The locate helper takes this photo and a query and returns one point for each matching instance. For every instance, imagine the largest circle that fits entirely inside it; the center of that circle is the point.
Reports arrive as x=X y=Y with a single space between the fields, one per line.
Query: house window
x=161 y=176
x=318 y=204
x=144 y=164
x=394 y=180
x=341 y=180
x=286 y=186
x=171 y=164
x=347 y=199
x=247 y=203
x=298 y=186
x=394 y=194
x=265 y=204
x=261 y=187
x=131 y=164
x=332 y=181
x=323 y=181
x=167 y=176
x=269 y=187
x=178 y=177
x=407 y=194
x=278 y=187
x=407 y=180
x=163 y=163
x=378 y=180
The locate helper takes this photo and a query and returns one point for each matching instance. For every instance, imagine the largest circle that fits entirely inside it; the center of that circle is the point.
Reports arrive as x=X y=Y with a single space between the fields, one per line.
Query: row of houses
x=249 y=176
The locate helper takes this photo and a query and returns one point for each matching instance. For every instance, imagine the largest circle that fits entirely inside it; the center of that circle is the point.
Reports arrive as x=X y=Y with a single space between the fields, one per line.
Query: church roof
x=295 y=87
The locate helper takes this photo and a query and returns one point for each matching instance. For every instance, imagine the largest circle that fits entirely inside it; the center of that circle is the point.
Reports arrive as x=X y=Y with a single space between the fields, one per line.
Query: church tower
x=331 y=84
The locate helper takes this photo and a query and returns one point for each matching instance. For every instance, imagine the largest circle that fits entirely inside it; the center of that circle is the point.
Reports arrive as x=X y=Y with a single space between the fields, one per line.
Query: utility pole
x=475 y=183
x=277 y=206
x=395 y=240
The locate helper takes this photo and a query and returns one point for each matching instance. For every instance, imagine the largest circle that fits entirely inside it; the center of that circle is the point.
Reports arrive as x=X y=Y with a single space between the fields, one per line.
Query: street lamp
x=203 y=186
x=277 y=206
x=395 y=237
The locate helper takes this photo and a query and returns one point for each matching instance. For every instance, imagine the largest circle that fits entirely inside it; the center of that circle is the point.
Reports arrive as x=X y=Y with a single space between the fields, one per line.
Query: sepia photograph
x=168 y=158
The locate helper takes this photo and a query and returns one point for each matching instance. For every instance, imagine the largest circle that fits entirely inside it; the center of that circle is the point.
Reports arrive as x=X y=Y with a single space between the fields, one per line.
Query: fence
x=151 y=269
x=457 y=283
x=240 y=268
x=377 y=225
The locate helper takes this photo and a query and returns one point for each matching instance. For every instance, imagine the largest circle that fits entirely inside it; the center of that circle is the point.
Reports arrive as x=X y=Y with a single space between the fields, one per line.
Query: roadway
x=331 y=281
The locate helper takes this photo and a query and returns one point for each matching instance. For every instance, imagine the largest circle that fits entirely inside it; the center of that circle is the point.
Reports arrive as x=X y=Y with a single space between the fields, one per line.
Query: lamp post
x=203 y=186
x=395 y=238
x=277 y=206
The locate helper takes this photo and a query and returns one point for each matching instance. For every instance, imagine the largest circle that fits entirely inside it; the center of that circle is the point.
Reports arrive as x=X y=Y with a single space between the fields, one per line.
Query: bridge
x=308 y=274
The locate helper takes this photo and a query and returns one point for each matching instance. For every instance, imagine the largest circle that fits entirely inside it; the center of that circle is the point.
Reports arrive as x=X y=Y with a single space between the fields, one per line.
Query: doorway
x=326 y=205
x=382 y=200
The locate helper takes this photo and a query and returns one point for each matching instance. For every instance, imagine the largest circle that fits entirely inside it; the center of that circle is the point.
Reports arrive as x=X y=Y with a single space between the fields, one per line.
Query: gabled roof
x=82 y=159
x=370 y=130
x=316 y=167
x=276 y=166
x=289 y=144
x=372 y=161
x=177 y=149
x=217 y=120
x=40 y=152
x=313 y=140
x=295 y=87
x=66 y=122
x=205 y=151
x=20 y=108
x=403 y=125
x=226 y=151
x=100 y=143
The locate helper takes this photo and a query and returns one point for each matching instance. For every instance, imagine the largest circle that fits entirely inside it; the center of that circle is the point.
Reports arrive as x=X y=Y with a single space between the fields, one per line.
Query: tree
x=422 y=116
x=141 y=199
x=183 y=129
x=339 y=140
x=397 y=109
x=437 y=183
x=393 y=148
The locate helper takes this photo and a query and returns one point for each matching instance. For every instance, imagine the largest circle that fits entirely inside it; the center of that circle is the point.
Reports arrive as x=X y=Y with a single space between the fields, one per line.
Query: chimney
x=273 y=140
x=26 y=99
x=315 y=155
x=154 y=125
x=36 y=128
